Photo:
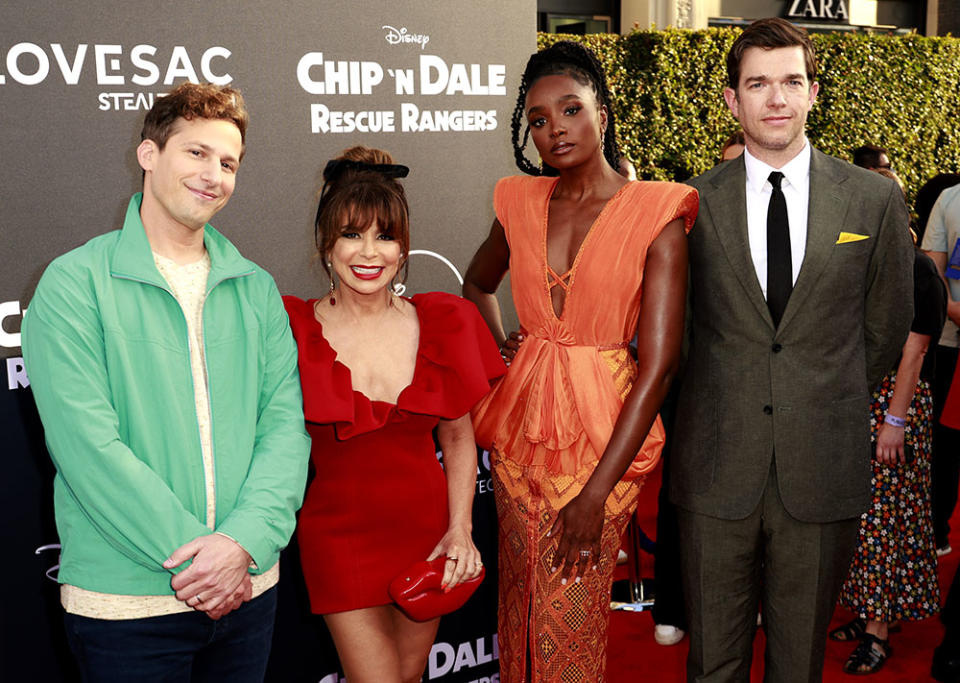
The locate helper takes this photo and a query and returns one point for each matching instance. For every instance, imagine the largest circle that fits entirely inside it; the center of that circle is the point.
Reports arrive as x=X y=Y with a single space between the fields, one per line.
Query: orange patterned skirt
x=560 y=631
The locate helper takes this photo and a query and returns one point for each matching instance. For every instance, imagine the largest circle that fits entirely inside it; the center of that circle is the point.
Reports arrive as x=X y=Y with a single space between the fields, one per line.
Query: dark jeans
x=182 y=648
x=945 y=461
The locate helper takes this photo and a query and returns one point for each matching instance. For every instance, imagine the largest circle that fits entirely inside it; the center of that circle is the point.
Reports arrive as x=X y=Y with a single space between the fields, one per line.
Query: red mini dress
x=377 y=502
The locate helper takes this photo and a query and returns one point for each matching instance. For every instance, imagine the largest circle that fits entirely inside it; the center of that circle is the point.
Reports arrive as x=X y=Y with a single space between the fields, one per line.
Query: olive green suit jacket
x=798 y=394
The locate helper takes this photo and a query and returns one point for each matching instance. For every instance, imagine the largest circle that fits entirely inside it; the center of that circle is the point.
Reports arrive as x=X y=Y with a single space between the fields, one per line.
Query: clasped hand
x=216 y=582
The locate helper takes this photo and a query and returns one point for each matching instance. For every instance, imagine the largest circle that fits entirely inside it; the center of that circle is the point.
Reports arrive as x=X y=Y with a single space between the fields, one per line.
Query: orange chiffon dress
x=547 y=422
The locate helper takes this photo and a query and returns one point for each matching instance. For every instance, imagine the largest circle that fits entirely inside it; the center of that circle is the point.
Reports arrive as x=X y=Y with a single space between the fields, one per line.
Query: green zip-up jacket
x=106 y=350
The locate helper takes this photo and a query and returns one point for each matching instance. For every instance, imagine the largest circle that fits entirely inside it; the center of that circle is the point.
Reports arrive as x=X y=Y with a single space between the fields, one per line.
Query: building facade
x=927 y=17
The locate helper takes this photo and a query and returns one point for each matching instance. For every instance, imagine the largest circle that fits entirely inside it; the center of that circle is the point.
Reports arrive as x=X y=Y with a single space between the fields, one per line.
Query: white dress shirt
x=796 y=190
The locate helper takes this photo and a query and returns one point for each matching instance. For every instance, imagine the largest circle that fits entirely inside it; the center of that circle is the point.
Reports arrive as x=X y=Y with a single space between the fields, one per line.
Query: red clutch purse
x=416 y=590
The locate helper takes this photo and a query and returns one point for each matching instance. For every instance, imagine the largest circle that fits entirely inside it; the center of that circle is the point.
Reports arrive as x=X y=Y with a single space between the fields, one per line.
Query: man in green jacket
x=165 y=373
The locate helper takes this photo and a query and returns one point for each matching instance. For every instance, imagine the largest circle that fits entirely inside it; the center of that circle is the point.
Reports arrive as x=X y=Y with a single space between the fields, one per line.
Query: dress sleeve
x=501 y=195
x=508 y=198
x=685 y=204
x=459 y=358
x=655 y=204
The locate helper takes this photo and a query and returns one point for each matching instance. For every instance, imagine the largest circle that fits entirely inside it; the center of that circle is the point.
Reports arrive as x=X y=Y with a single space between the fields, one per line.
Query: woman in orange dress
x=573 y=426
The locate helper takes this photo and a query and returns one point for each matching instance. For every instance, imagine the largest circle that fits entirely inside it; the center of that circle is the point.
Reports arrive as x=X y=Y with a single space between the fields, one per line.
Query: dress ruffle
x=558 y=404
x=456 y=361
x=563 y=423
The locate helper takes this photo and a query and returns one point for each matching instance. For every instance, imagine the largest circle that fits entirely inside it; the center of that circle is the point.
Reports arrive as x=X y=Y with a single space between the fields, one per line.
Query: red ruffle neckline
x=456 y=361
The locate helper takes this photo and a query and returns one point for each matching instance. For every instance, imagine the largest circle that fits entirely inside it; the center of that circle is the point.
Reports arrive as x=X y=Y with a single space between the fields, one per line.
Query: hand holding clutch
x=417 y=590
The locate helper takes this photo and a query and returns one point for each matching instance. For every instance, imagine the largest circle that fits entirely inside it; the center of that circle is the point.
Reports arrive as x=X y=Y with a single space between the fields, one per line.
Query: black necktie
x=779 y=263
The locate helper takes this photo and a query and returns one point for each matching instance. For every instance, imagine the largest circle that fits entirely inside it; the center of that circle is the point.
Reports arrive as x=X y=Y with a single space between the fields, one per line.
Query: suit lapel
x=727 y=204
x=826 y=213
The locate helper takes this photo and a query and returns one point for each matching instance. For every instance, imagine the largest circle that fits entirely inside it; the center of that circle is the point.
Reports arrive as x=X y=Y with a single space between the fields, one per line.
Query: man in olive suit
x=800 y=300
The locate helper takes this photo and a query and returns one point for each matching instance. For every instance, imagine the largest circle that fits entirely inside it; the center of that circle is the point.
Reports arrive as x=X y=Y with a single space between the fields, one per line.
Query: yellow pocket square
x=851 y=237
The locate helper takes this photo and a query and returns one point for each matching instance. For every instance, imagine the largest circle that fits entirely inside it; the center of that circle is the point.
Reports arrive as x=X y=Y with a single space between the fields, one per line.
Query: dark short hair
x=868 y=156
x=195 y=101
x=356 y=198
x=769 y=34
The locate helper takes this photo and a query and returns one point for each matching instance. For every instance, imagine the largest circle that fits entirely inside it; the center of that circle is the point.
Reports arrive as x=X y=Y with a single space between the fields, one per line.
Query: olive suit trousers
x=791 y=571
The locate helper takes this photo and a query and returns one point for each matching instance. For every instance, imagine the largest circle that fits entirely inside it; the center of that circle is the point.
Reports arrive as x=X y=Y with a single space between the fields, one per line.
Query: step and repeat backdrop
x=433 y=83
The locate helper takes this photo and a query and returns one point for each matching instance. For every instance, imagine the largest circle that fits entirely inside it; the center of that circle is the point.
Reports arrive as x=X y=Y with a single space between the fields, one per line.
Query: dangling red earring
x=333 y=299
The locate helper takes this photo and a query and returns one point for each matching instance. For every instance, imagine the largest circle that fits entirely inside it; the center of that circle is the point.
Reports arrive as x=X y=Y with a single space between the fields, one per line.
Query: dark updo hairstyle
x=357 y=193
x=564 y=58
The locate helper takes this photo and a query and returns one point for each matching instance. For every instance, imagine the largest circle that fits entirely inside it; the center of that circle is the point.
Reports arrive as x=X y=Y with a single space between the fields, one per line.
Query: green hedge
x=900 y=92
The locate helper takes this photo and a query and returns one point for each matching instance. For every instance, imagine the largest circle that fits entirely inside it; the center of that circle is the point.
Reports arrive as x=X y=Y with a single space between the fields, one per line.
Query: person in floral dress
x=893 y=575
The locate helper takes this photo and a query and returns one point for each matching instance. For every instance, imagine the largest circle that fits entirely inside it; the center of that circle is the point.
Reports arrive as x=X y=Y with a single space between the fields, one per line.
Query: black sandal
x=852 y=630
x=867 y=659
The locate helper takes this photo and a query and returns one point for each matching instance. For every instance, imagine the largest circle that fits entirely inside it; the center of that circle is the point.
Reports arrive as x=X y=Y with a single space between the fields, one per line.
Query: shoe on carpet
x=869 y=656
x=852 y=630
x=944 y=550
x=665 y=634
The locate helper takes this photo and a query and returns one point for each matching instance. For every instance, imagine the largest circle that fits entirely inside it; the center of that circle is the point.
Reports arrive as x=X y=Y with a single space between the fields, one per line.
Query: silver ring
x=452 y=557
x=584 y=553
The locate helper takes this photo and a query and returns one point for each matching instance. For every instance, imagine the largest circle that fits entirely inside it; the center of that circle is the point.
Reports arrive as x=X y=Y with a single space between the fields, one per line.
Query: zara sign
x=818 y=9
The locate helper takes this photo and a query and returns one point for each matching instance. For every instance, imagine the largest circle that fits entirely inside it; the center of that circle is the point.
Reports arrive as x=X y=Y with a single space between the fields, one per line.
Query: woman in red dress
x=379 y=372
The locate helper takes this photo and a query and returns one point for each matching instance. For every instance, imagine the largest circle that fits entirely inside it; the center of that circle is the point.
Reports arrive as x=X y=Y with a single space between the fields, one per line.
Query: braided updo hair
x=564 y=58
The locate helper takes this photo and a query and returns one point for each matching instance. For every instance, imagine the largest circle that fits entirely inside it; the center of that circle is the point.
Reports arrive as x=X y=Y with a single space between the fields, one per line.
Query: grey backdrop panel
x=75 y=81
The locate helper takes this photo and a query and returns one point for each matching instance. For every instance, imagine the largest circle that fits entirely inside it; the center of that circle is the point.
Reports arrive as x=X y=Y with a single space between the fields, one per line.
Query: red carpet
x=634 y=656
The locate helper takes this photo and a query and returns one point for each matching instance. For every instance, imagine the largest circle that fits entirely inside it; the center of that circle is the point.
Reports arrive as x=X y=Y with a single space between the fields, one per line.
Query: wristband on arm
x=894 y=421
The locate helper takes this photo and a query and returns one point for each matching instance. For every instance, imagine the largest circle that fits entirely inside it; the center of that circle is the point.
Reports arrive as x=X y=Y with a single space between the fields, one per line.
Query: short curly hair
x=195 y=101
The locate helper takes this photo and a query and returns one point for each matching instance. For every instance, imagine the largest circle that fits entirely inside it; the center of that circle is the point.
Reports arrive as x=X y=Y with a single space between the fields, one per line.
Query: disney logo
x=395 y=36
